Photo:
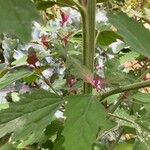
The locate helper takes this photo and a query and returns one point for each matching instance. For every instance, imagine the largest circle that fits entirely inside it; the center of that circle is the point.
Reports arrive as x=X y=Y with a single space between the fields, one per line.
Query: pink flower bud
x=65 y=17
x=98 y=82
x=71 y=82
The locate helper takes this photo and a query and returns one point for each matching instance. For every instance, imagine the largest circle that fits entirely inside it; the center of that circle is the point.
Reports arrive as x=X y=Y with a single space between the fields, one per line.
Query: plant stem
x=121 y=118
x=50 y=85
x=143 y=75
x=97 y=36
x=114 y=107
x=125 y=88
x=88 y=21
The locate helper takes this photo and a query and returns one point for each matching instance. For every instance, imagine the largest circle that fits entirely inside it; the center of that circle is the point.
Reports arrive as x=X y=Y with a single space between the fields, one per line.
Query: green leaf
x=42 y=5
x=130 y=56
x=114 y=75
x=29 y=117
x=47 y=4
x=20 y=61
x=58 y=145
x=139 y=145
x=17 y=16
x=133 y=33
x=142 y=97
x=85 y=116
x=11 y=77
x=124 y=146
x=79 y=70
x=143 y=130
x=107 y=37
x=54 y=127
x=4 y=106
x=7 y=147
x=100 y=1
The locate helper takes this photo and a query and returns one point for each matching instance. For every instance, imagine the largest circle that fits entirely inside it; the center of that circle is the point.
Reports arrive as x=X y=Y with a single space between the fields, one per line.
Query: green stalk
x=125 y=88
x=88 y=20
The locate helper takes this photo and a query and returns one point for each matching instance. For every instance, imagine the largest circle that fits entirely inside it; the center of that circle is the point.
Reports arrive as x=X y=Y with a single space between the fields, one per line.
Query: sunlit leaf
x=29 y=117
x=11 y=77
x=85 y=116
x=133 y=33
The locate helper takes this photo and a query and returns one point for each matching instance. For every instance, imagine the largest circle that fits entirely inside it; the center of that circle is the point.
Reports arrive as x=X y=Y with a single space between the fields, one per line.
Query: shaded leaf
x=58 y=144
x=54 y=127
x=107 y=37
x=17 y=16
x=139 y=145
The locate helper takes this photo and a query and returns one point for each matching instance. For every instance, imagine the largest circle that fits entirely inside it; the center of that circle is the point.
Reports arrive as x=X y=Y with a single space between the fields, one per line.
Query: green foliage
x=17 y=17
x=11 y=77
x=124 y=146
x=47 y=4
x=114 y=75
x=80 y=127
x=7 y=147
x=28 y=118
x=143 y=130
x=139 y=146
x=107 y=37
x=142 y=97
x=133 y=33
x=63 y=116
x=130 y=56
x=41 y=4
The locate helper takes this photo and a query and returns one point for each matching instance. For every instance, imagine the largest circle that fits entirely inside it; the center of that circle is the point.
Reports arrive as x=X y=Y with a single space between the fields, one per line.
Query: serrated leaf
x=139 y=145
x=85 y=116
x=130 y=56
x=17 y=16
x=11 y=77
x=143 y=130
x=133 y=33
x=28 y=118
x=79 y=70
x=142 y=97
x=114 y=75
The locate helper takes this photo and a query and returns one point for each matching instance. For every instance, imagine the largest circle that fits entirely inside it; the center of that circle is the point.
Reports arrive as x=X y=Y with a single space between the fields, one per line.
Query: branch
x=143 y=75
x=125 y=88
x=121 y=118
x=50 y=85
